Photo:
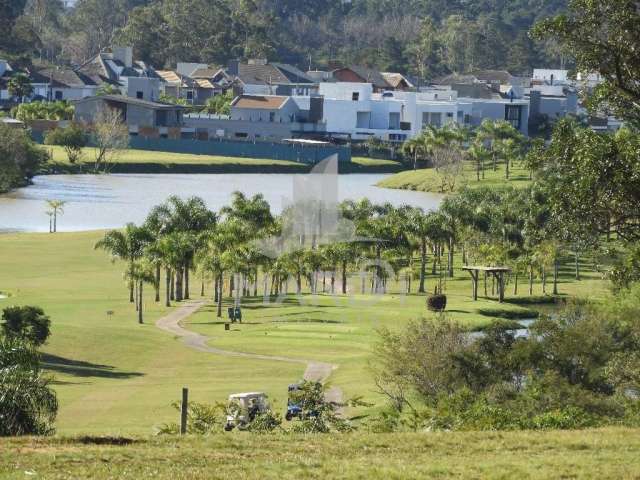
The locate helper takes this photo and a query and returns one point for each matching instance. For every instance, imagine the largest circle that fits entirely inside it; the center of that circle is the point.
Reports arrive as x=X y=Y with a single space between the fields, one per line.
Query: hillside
x=423 y=38
x=603 y=454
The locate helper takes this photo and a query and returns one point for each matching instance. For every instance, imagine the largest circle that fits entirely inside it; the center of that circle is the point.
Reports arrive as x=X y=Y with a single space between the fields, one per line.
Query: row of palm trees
x=490 y=143
x=183 y=238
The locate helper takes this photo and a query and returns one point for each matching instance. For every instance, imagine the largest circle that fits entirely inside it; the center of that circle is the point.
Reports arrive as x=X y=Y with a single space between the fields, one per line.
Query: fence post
x=183 y=411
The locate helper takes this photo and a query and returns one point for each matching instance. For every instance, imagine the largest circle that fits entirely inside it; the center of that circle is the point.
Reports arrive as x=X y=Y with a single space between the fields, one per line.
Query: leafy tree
x=592 y=181
x=20 y=158
x=28 y=324
x=28 y=405
x=73 y=139
x=601 y=36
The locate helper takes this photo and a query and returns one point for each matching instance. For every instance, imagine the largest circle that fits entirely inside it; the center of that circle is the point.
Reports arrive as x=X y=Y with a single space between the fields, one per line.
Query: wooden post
x=501 y=286
x=183 y=411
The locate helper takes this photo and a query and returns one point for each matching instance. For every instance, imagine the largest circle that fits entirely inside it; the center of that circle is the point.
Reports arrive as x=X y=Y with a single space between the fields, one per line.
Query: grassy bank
x=116 y=377
x=145 y=161
x=603 y=454
x=429 y=180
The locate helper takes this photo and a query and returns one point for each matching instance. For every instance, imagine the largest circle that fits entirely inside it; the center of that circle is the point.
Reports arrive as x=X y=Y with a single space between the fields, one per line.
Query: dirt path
x=315 y=371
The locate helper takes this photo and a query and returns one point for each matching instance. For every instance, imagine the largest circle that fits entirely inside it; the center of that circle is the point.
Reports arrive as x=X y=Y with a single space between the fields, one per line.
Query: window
x=58 y=95
x=189 y=95
x=513 y=115
x=449 y=114
x=394 y=121
x=363 y=120
x=139 y=95
x=161 y=118
x=431 y=118
x=355 y=96
x=272 y=116
x=241 y=135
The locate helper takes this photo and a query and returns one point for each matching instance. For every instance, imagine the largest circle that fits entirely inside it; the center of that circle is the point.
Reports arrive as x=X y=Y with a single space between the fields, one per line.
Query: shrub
x=72 y=138
x=265 y=422
x=26 y=323
x=202 y=419
x=20 y=158
x=27 y=405
x=437 y=303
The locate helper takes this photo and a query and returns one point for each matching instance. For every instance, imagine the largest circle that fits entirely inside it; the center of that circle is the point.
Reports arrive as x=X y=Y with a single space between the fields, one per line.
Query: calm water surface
x=110 y=201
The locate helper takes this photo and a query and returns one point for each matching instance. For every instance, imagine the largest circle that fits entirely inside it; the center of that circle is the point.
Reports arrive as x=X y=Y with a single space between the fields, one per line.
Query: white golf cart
x=243 y=408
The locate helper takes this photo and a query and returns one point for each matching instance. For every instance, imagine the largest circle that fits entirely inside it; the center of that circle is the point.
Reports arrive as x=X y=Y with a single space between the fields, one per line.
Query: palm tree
x=56 y=207
x=142 y=271
x=478 y=154
x=20 y=86
x=127 y=245
x=188 y=216
x=427 y=228
x=216 y=254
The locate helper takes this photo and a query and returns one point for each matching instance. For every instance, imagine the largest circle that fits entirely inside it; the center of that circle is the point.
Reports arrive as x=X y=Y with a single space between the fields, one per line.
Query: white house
x=353 y=110
x=551 y=77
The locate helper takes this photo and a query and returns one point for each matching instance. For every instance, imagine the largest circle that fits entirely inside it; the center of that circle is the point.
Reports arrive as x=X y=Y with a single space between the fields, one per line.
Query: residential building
x=397 y=81
x=145 y=118
x=5 y=74
x=259 y=77
x=263 y=117
x=134 y=79
x=355 y=111
x=61 y=83
x=180 y=86
x=544 y=76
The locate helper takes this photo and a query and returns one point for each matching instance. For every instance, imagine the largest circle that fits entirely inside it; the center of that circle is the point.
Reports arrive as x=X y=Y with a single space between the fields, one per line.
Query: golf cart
x=243 y=409
x=293 y=409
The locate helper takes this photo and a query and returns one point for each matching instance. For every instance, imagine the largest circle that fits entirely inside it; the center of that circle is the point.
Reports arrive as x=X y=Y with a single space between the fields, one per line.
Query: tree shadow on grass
x=79 y=368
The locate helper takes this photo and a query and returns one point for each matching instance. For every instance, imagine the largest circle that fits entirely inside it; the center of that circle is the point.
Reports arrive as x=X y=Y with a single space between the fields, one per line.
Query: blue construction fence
x=308 y=154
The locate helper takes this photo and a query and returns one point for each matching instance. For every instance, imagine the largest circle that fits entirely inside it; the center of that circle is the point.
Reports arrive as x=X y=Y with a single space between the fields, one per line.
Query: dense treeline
x=425 y=38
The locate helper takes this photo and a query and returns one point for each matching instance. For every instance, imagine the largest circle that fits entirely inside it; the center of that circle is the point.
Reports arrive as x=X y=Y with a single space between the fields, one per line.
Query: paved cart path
x=171 y=323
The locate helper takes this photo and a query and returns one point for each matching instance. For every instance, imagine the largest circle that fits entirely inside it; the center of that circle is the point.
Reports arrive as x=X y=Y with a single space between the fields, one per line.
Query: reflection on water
x=110 y=201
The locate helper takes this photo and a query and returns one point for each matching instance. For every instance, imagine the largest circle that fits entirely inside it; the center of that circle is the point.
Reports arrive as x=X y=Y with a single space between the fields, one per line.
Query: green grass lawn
x=428 y=179
x=167 y=162
x=116 y=377
x=603 y=454
x=112 y=375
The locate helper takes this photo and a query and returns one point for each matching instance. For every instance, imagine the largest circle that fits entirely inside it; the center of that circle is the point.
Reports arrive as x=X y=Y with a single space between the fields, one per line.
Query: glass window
x=513 y=115
x=363 y=120
x=355 y=96
x=139 y=95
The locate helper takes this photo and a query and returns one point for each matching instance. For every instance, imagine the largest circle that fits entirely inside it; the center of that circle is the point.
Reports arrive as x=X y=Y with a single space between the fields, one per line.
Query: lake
x=110 y=201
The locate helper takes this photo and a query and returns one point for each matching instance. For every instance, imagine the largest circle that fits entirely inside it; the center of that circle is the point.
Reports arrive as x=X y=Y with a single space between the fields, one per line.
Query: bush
x=26 y=323
x=20 y=158
x=73 y=139
x=202 y=419
x=437 y=303
x=27 y=405
x=265 y=422
x=578 y=369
